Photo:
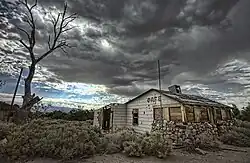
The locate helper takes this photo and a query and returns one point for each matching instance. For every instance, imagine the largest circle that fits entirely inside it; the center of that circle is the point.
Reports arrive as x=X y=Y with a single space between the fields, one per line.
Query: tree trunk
x=27 y=90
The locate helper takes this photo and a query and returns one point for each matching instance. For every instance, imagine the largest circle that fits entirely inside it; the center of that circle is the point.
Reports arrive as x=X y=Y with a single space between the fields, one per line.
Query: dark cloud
x=118 y=43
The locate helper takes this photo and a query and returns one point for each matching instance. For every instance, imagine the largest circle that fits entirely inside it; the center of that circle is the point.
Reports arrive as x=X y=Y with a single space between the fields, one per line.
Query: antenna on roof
x=159 y=75
x=159 y=79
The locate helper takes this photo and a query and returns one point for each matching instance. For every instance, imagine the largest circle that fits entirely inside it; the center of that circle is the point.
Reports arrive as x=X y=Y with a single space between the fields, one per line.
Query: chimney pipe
x=175 y=89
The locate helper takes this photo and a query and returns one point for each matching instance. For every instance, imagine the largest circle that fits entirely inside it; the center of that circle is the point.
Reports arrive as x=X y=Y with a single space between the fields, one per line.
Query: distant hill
x=55 y=104
x=58 y=108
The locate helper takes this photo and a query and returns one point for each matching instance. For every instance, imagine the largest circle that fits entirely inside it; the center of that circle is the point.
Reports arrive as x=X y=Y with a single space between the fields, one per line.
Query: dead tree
x=55 y=41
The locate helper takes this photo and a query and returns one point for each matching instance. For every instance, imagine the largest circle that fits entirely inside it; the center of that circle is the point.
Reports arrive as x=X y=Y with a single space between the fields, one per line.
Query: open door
x=106 y=119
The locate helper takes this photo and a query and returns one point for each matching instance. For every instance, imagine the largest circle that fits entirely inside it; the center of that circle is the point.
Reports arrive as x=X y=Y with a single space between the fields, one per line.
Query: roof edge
x=152 y=89
x=162 y=93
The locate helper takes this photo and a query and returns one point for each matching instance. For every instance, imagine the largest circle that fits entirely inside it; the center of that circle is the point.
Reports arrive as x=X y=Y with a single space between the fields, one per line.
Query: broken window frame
x=135 y=120
x=161 y=113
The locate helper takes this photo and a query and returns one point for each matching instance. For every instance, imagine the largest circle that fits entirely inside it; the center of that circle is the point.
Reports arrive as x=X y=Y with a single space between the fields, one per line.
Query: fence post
x=18 y=81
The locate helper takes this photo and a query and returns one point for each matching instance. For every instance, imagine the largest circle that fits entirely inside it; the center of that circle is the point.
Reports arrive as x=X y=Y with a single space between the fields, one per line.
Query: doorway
x=107 y=117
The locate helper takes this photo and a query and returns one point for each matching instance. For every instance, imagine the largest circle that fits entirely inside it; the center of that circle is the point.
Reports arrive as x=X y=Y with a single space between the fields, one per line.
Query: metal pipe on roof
x=159 y=77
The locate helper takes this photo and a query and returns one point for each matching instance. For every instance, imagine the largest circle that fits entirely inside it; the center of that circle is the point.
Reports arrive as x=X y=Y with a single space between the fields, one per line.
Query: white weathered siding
x=95 y=121
x=145 y=104
x=119 y=116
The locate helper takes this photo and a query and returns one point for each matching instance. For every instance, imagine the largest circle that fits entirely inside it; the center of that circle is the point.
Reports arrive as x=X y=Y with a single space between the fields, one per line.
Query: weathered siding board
x=190 y=114
x=223 y=114
x=96 y=122
x=119 y=116
x=145 y=104
x=211 y=115
x=197 y=113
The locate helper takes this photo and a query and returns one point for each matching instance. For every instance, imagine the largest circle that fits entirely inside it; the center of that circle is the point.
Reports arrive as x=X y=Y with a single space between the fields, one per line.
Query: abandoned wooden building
x=140 y=112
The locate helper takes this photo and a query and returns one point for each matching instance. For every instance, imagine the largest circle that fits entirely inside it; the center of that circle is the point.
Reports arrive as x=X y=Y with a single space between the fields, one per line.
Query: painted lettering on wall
x=153 y=99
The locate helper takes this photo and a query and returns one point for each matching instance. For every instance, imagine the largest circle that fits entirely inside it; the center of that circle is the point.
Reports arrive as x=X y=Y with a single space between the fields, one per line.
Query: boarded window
x=204 y=115
x=218 y=115
x=190 y=114
x=158 y=113
x=135 y=116
x=175 y=114
x=228 y=114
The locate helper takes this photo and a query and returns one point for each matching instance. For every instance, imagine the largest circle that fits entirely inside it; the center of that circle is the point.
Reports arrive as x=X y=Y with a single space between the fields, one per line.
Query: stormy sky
x=202 y=45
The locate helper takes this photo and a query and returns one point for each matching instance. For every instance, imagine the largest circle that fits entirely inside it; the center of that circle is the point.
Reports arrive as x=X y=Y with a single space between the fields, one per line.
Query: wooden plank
x=204 y=114
x=218 y=114
x=190 y=114
x=175 y=114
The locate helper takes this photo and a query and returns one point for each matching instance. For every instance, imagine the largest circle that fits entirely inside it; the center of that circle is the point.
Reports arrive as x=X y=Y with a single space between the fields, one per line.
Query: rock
x=4 y=141
x=200 y=151
x=208 y=125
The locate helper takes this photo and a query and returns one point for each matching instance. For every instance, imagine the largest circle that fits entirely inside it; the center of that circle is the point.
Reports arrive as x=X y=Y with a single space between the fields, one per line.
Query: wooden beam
x=18 y=81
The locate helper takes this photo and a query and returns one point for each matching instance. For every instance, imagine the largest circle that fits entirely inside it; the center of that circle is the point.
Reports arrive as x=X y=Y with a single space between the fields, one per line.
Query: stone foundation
x=181 y=132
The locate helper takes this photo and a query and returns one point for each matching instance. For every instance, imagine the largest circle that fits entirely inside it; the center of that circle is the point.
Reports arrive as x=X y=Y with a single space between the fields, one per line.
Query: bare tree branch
x=32 y=36
x=60 y=26
x=27 y=34
x=49 y=46
x=25 y=45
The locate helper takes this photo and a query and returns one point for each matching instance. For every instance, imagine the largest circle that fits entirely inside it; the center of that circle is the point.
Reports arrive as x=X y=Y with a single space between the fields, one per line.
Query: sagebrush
x=205 y=141
x=238 y=135
x=63 y=139
x=139 y=145
x=52 y=138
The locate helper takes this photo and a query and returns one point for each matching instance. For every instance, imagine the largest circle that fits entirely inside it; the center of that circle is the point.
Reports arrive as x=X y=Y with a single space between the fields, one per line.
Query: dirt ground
x=177 y=156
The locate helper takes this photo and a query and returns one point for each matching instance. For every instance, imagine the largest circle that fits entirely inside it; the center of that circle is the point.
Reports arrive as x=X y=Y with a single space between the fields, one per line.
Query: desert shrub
x=5 y=129
x=204 y=141
x=244 y=124
x=73 y=115
x=113 y=142
x=62 y=139
x=133 y=148
x=239 y=135
x=156 y=144
x=235 y=138
x=245 y=113
x=52 y=138
x=243 y=130
x=138 y=145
